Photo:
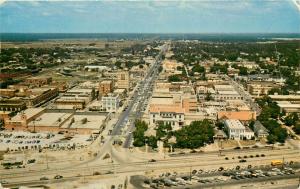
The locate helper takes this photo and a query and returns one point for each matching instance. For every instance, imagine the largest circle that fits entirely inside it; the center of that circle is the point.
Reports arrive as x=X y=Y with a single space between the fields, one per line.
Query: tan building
x=105 y=87
x=260 y=88
x=38 y=81
x=292 y=98
x=12 y=105
x=70 y=103
x=7 y=93
x=123 y=80
x=42 y=120
x=170 y=66
x=20 y=121
x=32 y=97
x=289 y=106
x=37 y=96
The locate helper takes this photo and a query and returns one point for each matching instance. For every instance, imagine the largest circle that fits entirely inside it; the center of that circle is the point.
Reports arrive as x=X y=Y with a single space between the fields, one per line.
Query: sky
x=151 y=16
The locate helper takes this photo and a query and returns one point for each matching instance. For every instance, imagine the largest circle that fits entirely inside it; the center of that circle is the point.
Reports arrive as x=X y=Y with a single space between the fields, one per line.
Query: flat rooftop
x=156 y=108
x=228 y=92
x=287 y=104
x=234 y=124
x=50 y=119
x=79 y=90
x=224 y=87
x=93 y=122
x=30 y=112
x=285 y=97
x=161 y=100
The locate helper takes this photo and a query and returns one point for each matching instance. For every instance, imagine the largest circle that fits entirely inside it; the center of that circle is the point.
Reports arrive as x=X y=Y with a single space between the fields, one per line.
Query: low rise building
x=244 y=116
x=292 y=98
x=55 y=121
x=259 y=130
x=260 y=88
x=12 y=105
x=227 y=95
x=236 y=130
x=38 y=81
x=38 y=96
x=289 y=106
x=70 y=103
x=105 y=87
x=167 y=114
x=7 y=93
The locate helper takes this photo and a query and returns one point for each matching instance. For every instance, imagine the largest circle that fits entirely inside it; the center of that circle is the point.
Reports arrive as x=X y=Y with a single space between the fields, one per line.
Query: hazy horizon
x=257 y=16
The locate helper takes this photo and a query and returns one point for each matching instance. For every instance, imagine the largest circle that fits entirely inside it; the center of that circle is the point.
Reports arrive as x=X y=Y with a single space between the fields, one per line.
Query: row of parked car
x=260 y=173
x=181 y=181
x=196 y=176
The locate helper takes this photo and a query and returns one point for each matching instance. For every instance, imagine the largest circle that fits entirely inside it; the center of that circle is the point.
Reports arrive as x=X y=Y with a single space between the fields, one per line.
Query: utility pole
x=190 y=173
x=47 y=160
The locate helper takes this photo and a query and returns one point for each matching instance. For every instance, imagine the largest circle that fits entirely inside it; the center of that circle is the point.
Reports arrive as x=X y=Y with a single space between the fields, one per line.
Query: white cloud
x=2 y=1
x=297 y=4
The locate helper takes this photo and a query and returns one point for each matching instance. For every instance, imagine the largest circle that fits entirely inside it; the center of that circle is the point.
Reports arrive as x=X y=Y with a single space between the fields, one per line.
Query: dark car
x=243 y=161
x=152 y=160
x=44 y=178
x=58 y=177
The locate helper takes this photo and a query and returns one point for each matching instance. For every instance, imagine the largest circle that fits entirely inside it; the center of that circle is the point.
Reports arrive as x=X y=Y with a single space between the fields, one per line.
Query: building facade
x=171 y=114
x=236 y=130
x=123 y=80
x=110 y=103
x=105 y=87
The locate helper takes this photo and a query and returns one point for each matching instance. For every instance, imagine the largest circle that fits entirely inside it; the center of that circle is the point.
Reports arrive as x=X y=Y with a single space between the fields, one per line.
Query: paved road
x=246 y=96
x=142 y=95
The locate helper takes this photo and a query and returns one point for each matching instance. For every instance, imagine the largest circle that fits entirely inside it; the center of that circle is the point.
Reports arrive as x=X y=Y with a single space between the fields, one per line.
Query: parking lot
x=19 y=141
x=197 y=178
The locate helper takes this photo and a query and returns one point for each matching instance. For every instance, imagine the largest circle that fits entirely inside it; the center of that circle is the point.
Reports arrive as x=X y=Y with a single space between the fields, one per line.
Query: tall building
x=110 y=102
x=105 y=87
x=123 y=80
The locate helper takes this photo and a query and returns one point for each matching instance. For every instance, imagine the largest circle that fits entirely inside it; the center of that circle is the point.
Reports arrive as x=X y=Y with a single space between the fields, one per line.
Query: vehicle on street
x=58 y=177
x=44 y=178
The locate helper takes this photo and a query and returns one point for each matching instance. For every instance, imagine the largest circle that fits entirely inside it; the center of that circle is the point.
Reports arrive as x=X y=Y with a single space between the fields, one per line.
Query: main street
x=143 y=94
x=246 y=96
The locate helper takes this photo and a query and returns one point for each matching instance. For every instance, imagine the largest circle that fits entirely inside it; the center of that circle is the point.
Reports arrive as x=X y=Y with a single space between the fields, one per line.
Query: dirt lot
x=228 y=144
x=247 y=142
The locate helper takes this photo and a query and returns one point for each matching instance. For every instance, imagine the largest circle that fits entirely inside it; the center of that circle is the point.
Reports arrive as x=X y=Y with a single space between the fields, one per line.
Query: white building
x=110 y=103
x=236 y=130
x=167 y=114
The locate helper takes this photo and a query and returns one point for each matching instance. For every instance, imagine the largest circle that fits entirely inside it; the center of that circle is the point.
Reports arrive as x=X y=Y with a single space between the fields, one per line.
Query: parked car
x=44 y=178
x=58 y=177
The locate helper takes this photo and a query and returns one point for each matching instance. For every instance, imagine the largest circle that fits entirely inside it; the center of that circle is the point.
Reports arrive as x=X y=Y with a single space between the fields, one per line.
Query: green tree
x=174 y=78
x=194 y=135
x=272 y=138
x=139 y=133
x=208 y=97
x=243 y=71
x=198 y=68
x=291 y=119
x=296 y=129
x=152 y=141
x=220 y=125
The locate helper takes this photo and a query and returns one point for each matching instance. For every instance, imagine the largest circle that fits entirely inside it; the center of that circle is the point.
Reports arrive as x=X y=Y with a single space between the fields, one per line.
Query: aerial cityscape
x=150 y=94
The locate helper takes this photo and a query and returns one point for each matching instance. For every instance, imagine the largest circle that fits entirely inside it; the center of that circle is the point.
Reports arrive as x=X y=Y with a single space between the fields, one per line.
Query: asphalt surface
x=140 y=97
x=246 y=96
